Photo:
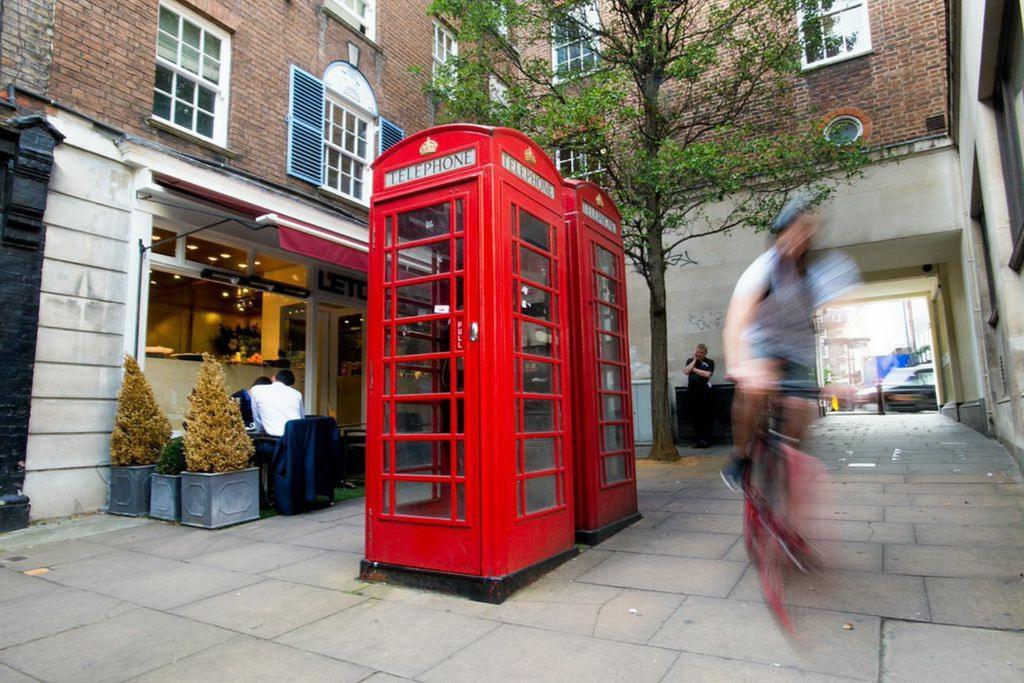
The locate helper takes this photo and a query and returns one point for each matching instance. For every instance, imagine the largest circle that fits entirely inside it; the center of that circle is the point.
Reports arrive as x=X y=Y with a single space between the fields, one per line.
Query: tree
x=215 y=438
x=140 y=428
x=685 y=105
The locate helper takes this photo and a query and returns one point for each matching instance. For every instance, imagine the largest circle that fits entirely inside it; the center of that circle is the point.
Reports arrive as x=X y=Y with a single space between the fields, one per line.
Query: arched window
x=844 y=130
x=350 y=131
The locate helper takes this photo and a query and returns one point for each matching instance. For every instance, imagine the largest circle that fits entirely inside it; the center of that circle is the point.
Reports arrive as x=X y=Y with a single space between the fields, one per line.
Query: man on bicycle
x=769 y=331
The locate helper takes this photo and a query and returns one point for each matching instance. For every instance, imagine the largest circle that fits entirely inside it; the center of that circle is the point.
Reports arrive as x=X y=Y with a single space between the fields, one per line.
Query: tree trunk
x=664 y=447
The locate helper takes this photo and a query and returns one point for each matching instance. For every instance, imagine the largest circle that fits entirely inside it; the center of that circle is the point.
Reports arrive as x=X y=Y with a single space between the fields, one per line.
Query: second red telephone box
x=603 y=454
x=469 y=481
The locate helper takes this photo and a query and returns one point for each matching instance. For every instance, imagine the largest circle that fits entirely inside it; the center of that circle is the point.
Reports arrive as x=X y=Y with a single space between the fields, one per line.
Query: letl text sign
x=524 y=173
x=604 y=221
x=425 y=169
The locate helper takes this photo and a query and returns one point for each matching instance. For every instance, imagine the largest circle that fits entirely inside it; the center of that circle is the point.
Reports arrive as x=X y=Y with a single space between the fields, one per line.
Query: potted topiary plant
x=218 y=488
x=165 y=496
x=140 y=432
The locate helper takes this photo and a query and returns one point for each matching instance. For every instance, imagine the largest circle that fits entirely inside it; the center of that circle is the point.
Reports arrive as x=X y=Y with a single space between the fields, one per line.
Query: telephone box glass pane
x=427 y=458
x=604 y=260
x=608 y=318
x=541 y=493
x=538 y=416
x=611 y=407
x=428 y=259
x=539 y=454
x=534 y=231
x=429 y=336
x=423 y=377
x=425 y=298
x=607 y=290
x=609 y=347
x=535 y=303
x=614 y=438
x=423 y=418
x=537 y=340
x=614 y=469
x=534 y=266
x=423 y=499
x=421 y=224
x=611 y=378
x=538 y=378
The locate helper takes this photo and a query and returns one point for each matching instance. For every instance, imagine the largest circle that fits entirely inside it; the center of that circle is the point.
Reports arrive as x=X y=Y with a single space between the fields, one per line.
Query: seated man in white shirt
x=276 y=403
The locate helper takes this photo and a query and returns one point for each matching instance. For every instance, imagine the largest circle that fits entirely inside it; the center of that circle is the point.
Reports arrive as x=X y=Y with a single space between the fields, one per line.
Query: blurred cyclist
x=769 y=330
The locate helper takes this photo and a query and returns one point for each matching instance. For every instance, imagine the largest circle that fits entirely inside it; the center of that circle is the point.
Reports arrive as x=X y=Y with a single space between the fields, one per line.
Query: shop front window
x=252 y=331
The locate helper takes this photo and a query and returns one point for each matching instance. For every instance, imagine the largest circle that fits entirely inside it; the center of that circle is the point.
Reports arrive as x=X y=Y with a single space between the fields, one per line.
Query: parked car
x=906 y=390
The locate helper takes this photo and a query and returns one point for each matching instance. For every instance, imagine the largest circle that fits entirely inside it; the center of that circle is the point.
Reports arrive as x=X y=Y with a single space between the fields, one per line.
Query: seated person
x=245 y=400
x=275 y=403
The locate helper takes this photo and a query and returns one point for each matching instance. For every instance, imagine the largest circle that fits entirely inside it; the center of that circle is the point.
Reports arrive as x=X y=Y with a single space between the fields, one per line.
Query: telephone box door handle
x=474 y=332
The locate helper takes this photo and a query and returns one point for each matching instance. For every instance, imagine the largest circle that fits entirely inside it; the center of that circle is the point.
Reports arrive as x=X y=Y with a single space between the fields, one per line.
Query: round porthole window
x=843 y=130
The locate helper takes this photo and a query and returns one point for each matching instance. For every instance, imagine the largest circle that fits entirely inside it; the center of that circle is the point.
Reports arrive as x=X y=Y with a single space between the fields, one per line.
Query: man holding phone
x=698 y=370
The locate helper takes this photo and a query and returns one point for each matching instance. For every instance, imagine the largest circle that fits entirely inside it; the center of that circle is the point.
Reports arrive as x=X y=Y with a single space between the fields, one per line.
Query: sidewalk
x=928 y=548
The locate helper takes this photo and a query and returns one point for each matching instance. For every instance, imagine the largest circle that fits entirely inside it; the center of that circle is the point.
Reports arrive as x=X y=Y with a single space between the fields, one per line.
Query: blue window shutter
x=390 y=135
x=306 y=127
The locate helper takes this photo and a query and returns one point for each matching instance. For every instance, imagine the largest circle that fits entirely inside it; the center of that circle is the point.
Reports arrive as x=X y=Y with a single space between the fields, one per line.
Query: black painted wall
x=26 y=156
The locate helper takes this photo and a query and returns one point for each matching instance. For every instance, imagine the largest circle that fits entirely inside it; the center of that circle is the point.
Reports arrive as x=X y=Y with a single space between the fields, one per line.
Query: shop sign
x=425 y=169
x=518 y=169
x=603 y=220
x=336 y=283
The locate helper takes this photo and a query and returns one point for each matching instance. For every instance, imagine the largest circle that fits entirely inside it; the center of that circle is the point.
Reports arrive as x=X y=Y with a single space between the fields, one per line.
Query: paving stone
x=705 y=506
x=943 y=560
x=1011 y=490
x=388 y=636
x=517 y=653
x=961 y=500
x=686 y=521
x=653 y=501
x=337 y=571
x=671 y=542
x=726 y=627
x=40 y=615
x=114 y=649
x=855 y=478
x=990 y=603
x=694 y=667
x=634 y=616
x=142 y=532
x=381 y=677
x=586 y=560
x=951 y=515
x=922 y=652
x=855 y=498
x=650 y=519
x=178 y=584
x=855 y=513
x=439 y=602
x=868 y=532
x=256 y=557
x=104 y=571
x=51 y=554
x=186 y=546
x=962 y=478
x=954 y=534
x=345 y=538
x=836 y=554
x=570 y=607
x=244 y=658
x=9 y=675
x=685 y=575
x=269 y=608
x=14 y=585
x=883 y=595
x=278 y=528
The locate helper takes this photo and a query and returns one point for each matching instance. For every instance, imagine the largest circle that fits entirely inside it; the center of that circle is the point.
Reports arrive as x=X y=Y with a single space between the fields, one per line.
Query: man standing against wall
x=698 y=370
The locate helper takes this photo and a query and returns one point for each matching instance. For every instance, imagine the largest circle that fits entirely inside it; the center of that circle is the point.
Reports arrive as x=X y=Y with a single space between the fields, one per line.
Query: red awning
x=294 y=235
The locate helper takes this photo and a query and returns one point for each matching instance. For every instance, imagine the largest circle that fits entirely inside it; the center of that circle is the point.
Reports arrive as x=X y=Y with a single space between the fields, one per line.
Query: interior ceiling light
x=257 y=263
x=211 y=259
x=225 y=294
x=177 y=277
x=242 y=265
x=225 y=255
x=191 y=247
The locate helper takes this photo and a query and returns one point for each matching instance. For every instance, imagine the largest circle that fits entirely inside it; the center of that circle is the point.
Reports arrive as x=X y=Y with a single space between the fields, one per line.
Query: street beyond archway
x=924 y=528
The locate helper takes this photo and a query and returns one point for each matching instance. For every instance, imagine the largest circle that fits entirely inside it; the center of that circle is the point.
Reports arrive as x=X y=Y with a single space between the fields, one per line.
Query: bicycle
x=776 y=478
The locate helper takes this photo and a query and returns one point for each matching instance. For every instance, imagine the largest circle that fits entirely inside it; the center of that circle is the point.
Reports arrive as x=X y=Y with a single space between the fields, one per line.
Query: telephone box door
x=428 y=454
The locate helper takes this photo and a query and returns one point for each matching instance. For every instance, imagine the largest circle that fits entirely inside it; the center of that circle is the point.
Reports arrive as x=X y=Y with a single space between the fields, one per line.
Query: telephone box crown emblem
x=530 y=157
x=599 y=201
x=429 y=146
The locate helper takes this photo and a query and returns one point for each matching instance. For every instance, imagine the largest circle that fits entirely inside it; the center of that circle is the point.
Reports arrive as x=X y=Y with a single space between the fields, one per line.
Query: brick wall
x=27 y=35
x=104 y=57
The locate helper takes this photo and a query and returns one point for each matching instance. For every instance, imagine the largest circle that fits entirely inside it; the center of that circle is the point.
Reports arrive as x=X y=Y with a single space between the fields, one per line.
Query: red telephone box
x=603 y=455
x=469 y=477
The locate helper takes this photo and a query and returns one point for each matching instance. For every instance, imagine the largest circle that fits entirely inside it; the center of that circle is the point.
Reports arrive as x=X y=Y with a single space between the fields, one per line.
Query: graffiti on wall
x=706 y=321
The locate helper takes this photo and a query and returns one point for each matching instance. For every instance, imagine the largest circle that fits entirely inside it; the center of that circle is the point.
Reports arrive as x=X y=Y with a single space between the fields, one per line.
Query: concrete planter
x=212 y=501
x=165 y=497
x=129 y=490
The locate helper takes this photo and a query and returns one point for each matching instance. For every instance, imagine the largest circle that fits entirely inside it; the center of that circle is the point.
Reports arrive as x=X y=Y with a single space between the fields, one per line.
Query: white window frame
x=497 y=90
x=572 y=157
x=842 y=119
x=443 y=51
x=350 y=109
x=592 y=18
x=222 y=89
x=345 y=10
x=860 y=6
